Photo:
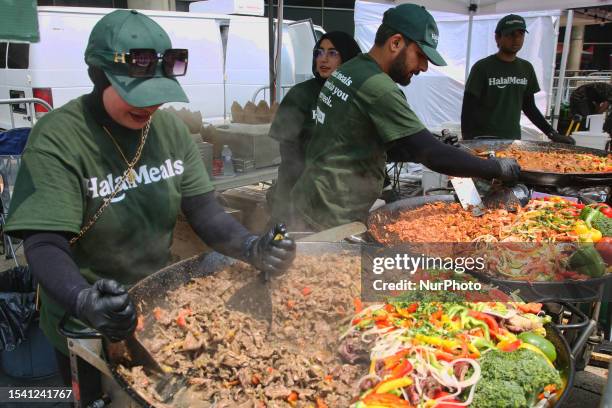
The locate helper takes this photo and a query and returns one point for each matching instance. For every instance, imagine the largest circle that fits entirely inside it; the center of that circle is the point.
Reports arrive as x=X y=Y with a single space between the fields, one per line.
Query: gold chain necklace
x=131 y=177
x=117 y=188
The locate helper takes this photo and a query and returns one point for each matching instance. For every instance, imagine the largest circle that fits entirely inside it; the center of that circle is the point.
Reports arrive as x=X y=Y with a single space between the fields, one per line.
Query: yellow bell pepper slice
x=391 y=385
x=536 y=350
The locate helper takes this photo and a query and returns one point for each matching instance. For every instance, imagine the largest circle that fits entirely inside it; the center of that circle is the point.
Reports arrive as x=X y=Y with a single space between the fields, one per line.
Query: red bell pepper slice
x=401 y=370
x=412 y=308
x=489 y=320
x=534 y=308
x=447 y=402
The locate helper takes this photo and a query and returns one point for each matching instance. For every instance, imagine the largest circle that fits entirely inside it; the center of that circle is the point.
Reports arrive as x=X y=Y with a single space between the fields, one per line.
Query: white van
x=228 y=59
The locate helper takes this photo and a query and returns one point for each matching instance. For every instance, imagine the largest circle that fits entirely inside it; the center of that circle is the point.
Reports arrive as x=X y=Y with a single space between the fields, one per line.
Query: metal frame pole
x=279 y=50
x=561 y=81
x=551 y=83
x=472 y=10
x=271 y=69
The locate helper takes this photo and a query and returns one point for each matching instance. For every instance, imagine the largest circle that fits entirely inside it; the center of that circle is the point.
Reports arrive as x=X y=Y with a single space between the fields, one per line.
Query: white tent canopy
x=498 y=6
x=437 y=95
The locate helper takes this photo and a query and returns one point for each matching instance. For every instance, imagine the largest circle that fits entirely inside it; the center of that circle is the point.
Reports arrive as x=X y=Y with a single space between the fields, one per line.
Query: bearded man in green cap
x=502 y=85
x=362 y=116
x=101 y=182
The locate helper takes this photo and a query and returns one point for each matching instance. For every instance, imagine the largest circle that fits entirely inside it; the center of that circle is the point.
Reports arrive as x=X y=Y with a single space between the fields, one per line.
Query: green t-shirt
x=293 y=124
x=500 y=87
x=360 y=109
x=70 y=164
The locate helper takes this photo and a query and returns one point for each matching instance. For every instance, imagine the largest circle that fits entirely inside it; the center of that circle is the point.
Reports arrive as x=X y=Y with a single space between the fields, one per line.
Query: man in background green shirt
x=502 y=85
x=362 y=114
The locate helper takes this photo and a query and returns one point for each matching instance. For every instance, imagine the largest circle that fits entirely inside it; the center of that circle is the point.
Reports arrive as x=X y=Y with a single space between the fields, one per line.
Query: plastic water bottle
x=228 y=164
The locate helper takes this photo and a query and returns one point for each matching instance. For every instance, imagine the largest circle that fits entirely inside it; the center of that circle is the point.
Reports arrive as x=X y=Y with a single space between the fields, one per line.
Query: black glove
x=509 y=169
x=559 y=138
x=107 y=307
x=449 y=138
x=270 y=255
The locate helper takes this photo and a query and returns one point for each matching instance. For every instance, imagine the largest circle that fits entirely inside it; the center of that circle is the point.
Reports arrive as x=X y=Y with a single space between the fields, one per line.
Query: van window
x=3 y=47
x=3 y=54
x=18 y=56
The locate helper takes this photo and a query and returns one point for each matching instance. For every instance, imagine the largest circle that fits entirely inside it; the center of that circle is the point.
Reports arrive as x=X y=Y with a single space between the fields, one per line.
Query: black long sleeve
x=50 y=260
x=423 y=147
x=292 y=162
x=469 y=115
x=535 y=116
x=217 y=229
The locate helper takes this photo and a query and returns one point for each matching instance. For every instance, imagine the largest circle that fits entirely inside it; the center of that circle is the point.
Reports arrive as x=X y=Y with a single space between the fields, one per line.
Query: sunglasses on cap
x=319 y=52
x=142 y=62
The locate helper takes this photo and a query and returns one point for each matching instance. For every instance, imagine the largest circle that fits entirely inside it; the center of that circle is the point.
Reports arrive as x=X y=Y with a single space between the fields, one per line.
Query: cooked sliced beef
x=236 y=361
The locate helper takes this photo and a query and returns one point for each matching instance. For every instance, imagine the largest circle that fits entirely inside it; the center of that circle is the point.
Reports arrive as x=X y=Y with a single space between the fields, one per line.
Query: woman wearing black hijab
x=295 y=118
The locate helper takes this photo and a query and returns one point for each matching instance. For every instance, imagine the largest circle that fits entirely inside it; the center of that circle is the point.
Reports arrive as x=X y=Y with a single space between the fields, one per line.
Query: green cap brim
x=432 y=55
x=513 y=29
x=142 y=92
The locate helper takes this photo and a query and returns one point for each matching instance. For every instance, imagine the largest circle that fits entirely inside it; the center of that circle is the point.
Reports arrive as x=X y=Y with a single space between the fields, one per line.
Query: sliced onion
x=475 y=377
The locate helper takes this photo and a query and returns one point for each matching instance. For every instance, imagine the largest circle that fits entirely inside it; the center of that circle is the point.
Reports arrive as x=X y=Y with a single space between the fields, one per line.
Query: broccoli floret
x=492 y=393
x=603 y=224
x=523 y=368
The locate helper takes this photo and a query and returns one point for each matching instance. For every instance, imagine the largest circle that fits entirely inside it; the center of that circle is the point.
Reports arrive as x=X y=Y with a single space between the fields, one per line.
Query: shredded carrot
x=255 y=379
x=358 y=305
x=140 y=324
x=550 y=388
x=306 y=291
x=328 y=378
x=290 y=304
x=231 y=383
x=293 y=396
x=158 y=313
x=321 y=403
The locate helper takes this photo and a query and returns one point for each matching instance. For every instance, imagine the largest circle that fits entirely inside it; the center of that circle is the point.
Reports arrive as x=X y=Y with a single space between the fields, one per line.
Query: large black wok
x=542 y=178
x=570 y=290
x=151 y=292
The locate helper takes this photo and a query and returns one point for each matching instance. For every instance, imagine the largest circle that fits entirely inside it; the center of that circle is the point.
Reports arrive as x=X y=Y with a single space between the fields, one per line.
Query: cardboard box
x=247 y=142
x=251 y=201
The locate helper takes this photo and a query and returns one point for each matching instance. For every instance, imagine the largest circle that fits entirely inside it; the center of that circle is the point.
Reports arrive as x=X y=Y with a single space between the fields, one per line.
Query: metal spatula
x=507 y=197
x=142 y=355
x=255 y=298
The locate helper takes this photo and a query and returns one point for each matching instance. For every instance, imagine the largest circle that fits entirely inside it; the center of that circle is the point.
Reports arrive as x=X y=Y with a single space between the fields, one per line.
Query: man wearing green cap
x=101 y=183
x=362 y=114
x=502 y=85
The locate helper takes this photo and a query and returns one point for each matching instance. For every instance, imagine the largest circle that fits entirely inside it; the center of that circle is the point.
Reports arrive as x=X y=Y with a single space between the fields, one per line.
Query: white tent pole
x=469 y=46
x=279 y=50
x=271 y=52
x=549 y=100
x=561 y=81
